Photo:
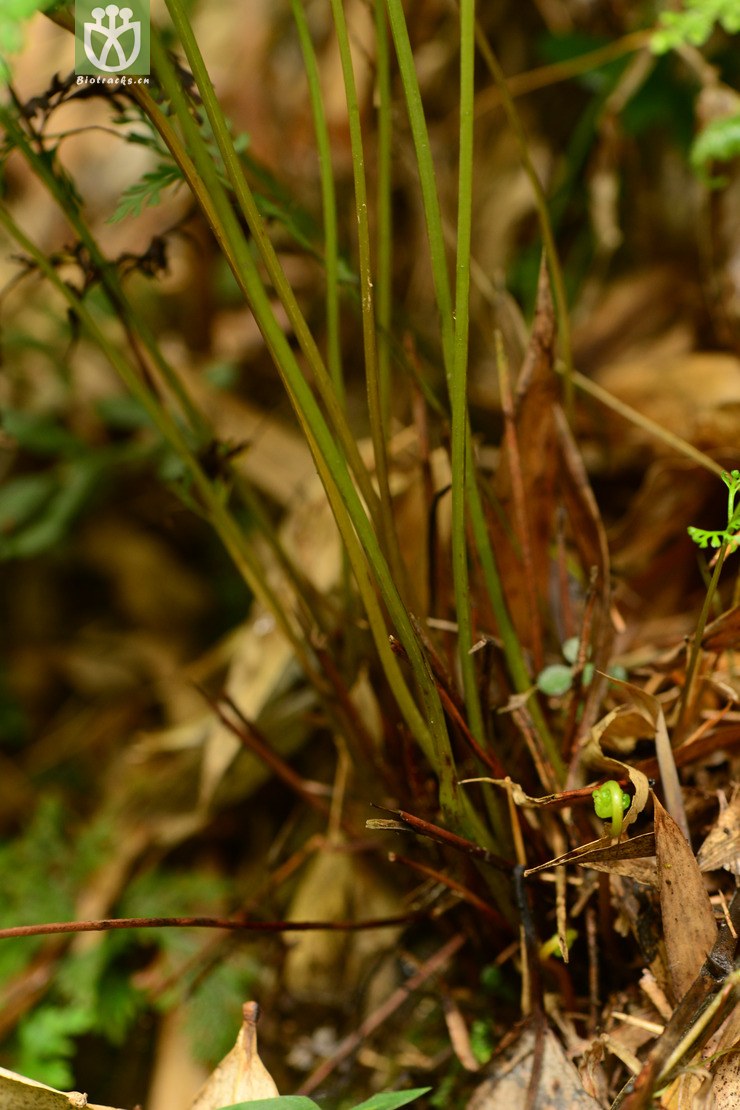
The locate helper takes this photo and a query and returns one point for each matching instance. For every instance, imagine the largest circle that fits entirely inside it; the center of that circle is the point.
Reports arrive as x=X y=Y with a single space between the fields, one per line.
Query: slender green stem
x=544 y=76
x=512 y=647
x=684 y=703
x=375 y=409
x=250 y=211
x=460 y=454
x=676 y=443
x=354 y=525
x=384 y=279
x=427 y=178
x=328 y=198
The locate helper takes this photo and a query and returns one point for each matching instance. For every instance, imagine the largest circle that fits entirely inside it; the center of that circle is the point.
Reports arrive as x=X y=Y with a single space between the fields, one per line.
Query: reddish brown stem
x=452 y=840
x=464 y=892
x=252 y=738
x=108 y=923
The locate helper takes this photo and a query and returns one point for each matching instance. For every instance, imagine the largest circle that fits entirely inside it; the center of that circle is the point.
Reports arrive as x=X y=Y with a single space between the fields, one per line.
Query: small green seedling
x=611 y=803
x=551 y=947
x=730 y=534
x=557 y=679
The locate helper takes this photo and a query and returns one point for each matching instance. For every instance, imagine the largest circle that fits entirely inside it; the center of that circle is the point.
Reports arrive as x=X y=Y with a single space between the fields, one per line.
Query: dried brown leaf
x=530 y=475
x=721 y=847
x=559 y=1086
x=688 y=920
x=19 y=1093
x=723 y=633
x=725 y=1089
x=722 y=1093
x=643 y=871
x=694 y=395
x=603 y=852
x=241 y=1076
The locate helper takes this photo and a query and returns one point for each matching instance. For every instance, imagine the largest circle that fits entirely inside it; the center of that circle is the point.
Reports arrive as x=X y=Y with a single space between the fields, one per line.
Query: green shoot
x=557 y=679
x=694 y=25
x=611 y=803
x=729 y=534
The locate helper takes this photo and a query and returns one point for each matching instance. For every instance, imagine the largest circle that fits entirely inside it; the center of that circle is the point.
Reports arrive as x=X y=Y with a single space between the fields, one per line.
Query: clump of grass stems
x=360 y=499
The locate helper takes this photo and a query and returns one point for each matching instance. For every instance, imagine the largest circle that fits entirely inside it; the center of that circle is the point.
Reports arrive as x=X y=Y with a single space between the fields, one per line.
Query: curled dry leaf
x=19 y=1093
x=649 y=705
x=722 y=845
x=520 y=797
x=689 y=927
x=611 y=728
x=241 y=1076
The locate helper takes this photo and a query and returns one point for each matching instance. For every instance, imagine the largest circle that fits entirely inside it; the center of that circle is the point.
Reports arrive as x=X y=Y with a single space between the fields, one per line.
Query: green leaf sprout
x=557 y=678
x=729 y=534
x=610 y=803
x=695 y=24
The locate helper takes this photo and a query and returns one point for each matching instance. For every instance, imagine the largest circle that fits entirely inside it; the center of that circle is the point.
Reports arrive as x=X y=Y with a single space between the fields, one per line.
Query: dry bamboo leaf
x=241 y=1076
x=602 y=852
x=525 y=485
x=261 y=660
x=643 y=871
x=559 y=1086
x=19 y=1093
x=721 y=847
x=688 y=919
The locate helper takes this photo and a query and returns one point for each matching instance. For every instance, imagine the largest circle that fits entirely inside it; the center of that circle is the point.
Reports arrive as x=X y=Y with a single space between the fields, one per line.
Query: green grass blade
x=328 y=198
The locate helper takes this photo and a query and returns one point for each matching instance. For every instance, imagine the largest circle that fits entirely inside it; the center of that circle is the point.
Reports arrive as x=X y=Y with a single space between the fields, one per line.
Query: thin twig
x=376 y=1019
x=450 y=839
x=107 y=924
x=460 y=889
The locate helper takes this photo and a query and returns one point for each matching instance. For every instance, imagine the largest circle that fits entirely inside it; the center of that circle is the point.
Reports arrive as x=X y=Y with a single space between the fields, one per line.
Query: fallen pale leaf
x=335 y=885
x=559 y=1086
x=19 y=1093
x=241 y=1076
